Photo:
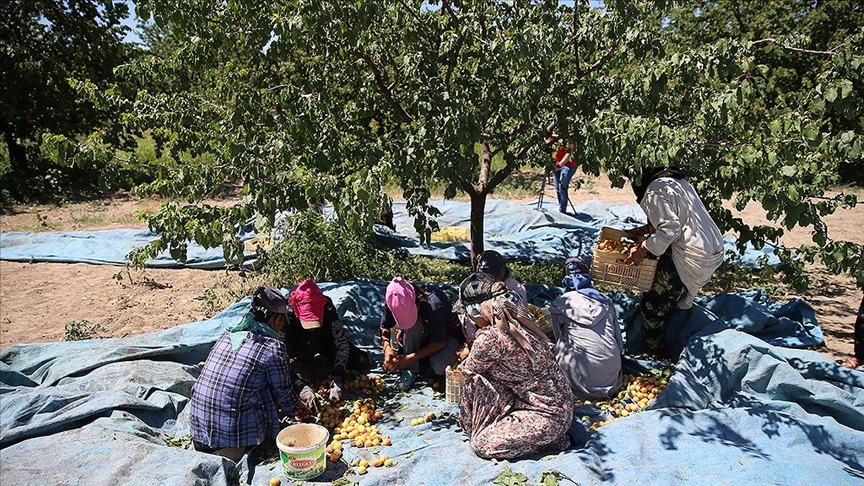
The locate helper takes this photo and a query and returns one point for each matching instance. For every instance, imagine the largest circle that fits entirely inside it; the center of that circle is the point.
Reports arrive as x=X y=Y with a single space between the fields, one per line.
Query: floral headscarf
x=503 y=312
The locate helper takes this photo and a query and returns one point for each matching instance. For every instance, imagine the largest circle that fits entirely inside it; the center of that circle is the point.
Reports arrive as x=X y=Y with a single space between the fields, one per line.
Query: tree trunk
x=478 y=201
x=17 y=153
x=478 y=206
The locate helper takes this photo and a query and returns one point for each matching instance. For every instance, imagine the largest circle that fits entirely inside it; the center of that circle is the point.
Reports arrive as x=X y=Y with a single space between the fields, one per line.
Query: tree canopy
x=311 y=100
x=43 y=44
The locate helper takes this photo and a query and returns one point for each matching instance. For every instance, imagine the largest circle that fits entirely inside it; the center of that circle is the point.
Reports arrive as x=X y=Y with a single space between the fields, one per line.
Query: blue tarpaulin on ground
x=103 y=247
x=737 y=410
x=531 y=233
x=520 y=232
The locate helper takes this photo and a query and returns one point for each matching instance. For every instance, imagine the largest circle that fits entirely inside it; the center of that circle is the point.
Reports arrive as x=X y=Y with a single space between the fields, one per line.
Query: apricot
x=274 y=481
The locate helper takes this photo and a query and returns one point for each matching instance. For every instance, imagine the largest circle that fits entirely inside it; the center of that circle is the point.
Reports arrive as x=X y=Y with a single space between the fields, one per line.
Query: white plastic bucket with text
x=303 y=448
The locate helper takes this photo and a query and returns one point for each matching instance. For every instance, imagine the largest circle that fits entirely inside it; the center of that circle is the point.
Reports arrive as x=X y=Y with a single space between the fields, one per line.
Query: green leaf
x=846 y=88
x=178 y=253
x=549 y=478
x=789 y=170
x=142 y=12
x=509 y=477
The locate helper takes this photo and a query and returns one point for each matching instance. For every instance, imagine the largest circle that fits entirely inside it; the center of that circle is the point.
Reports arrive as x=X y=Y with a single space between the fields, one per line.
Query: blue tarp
x=528 y=233
x=737 y=410
x=105 y=247
x=520 y=232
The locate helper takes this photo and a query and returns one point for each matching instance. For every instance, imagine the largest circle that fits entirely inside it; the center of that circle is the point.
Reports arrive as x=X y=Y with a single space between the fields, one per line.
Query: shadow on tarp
x=792 y=325
x=737 y=409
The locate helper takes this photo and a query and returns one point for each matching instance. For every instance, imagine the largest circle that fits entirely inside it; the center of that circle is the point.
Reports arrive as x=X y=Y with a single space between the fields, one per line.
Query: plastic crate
x=455 y=380
x=609 y=267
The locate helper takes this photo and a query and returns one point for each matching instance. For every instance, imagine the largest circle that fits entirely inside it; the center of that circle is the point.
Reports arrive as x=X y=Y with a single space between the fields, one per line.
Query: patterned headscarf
x=505 y=314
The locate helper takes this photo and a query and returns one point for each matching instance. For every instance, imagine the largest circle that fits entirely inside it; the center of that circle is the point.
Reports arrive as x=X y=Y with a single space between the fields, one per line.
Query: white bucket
x=303 y=450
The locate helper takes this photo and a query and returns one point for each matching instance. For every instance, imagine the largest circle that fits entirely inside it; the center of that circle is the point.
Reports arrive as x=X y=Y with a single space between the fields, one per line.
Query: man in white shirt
x=686 y=240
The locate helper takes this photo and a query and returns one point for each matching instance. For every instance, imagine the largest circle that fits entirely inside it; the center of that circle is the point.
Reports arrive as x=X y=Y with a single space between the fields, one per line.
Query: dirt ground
x=37 y=300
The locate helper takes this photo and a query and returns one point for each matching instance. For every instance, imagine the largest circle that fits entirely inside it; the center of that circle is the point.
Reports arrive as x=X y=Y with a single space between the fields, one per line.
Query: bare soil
x=37 y=300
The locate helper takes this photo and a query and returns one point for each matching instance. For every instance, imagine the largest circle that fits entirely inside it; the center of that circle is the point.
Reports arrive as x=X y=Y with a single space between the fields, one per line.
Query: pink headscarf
x=308 y=303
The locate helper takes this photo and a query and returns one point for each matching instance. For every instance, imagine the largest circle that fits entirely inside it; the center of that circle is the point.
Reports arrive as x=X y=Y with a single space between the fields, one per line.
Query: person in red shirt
x=565 y=167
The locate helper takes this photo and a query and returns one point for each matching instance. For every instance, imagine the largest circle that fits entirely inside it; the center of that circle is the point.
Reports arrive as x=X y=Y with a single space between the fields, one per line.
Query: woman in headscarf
x=687 y=242
x=312 y=329
x=515 y=400
x=244 y=383
x=589 y=343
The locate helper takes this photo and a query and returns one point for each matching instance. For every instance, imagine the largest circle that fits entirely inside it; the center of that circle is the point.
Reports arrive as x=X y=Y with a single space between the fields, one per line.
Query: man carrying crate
x=686 y=240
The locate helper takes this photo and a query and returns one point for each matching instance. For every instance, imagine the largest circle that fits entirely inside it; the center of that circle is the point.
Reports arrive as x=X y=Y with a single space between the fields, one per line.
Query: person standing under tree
x=565 y=168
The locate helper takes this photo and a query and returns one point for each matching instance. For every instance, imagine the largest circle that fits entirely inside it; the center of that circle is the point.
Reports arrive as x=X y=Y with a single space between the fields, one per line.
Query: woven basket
x=455 y=380
x=608 y=266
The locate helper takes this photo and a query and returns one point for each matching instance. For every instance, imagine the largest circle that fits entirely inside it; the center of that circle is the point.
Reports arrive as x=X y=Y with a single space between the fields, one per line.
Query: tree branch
x=600 y=62
x=383 y=86
x=457 y=49
x=736 y=12
x=409 y=9
x=499 y=176
x=771 y=40
x=466 y=186
x=575 y=40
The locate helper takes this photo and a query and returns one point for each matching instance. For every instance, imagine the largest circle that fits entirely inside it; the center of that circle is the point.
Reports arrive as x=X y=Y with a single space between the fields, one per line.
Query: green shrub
x=81 y=330
x=546 y=273
x=325 y=251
